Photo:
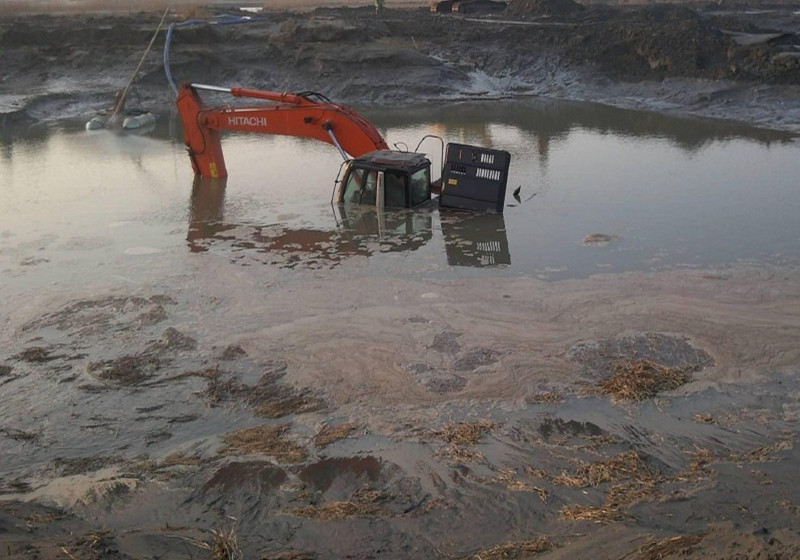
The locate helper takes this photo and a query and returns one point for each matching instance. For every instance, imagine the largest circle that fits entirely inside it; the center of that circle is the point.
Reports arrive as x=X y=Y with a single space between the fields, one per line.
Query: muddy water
x=600 y=190
x=177 y=354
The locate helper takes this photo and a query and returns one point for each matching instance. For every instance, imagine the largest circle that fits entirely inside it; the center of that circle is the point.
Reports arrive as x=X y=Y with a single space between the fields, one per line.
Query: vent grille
x=491 y=174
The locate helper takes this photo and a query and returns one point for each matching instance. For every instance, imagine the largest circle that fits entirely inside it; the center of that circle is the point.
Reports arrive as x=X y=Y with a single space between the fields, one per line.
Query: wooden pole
x=121 y=101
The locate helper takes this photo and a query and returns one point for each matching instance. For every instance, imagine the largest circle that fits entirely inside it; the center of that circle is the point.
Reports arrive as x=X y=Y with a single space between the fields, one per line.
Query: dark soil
x=62 y=67
x=538 y=8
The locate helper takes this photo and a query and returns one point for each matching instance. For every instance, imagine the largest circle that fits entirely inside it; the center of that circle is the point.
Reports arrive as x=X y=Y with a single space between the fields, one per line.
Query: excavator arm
x=286 y=114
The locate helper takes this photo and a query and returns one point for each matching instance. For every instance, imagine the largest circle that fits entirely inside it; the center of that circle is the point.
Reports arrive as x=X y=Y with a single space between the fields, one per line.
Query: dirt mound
x=653 y=41
x=524 y=8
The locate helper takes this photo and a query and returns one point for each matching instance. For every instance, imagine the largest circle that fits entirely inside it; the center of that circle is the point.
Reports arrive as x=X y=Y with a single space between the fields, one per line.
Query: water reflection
x=477 y=240
x=551 y=121
x=33 y=137
x=473 y=240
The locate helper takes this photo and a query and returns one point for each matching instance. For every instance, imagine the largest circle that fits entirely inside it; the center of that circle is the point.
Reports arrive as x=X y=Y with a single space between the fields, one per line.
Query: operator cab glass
x=404 y=177
x=360 y=186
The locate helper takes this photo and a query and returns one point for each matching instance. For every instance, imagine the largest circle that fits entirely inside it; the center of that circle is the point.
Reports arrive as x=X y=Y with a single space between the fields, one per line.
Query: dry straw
x=521 y=549
x=330 y=434
x=642 y=379
x=669 y=547
x=464 y=433
x=267 y=440
x=337 y=510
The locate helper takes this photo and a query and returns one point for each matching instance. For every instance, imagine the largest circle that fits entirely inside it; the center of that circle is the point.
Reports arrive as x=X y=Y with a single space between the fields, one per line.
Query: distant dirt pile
x=525 y=8
x=667 y=40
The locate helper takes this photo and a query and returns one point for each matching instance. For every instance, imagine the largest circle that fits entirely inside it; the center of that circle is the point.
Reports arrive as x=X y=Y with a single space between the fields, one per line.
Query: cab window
x=370 y=187
x=420 y=186
x=394 y=189
x=352 y=190
x=360 y=187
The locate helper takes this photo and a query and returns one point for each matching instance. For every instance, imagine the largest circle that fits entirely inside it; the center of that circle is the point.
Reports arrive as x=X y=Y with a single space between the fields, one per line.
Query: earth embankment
x=662 y=57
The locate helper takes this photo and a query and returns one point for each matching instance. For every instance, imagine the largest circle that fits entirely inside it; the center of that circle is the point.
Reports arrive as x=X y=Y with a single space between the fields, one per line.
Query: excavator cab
x=473 y=178
x=387 y=179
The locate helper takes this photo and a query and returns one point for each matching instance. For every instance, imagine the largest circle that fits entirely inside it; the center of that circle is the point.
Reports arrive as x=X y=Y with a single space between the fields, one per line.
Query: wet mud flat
x=728 y=64
x=640 y=415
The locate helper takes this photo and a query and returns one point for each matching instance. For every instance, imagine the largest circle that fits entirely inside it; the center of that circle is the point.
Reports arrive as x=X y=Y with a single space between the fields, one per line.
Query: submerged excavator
x=472 y=177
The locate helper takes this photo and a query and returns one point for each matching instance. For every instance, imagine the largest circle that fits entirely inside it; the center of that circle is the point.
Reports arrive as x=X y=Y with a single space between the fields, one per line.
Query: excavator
x=472 y=177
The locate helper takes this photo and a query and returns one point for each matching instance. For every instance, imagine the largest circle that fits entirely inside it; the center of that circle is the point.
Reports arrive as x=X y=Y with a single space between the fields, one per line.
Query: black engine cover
x=474 y=178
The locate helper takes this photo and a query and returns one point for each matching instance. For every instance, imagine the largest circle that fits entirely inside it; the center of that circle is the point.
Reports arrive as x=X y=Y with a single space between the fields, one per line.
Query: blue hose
x=225 y=19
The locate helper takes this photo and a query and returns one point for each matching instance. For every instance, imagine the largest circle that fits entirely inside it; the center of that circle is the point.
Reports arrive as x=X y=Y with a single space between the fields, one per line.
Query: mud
x=527 y=442
x=666 y=58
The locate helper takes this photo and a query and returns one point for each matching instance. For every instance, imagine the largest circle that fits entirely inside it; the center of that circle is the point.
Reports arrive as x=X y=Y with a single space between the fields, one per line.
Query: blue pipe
x=225 y=19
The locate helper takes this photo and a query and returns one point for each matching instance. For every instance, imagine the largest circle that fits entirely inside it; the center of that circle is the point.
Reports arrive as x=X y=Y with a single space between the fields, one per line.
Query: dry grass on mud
x=91 y=546
x=21 y=435
x=223 y=544
x=520 y=549
x=287 y=402
x=363 y=503
x=630 y=481
x=263 y=440
x=337 y=510
x=625 y=466
x=671 y=546
x=459 y=436
x=639 y=380
x=701 y=457
x=329 y=434
x=269 y=397
x=598 y=514
x=464 y=433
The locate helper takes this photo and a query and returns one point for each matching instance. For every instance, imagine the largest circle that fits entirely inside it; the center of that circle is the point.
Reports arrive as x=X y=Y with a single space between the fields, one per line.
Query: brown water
x=664 y=192
x=145 y=321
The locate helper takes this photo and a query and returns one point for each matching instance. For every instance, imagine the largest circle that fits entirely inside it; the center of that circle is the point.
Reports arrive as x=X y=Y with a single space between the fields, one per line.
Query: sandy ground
x=400 y=418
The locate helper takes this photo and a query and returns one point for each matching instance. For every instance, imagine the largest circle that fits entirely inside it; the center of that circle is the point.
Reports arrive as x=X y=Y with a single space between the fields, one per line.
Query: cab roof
x=392 y=159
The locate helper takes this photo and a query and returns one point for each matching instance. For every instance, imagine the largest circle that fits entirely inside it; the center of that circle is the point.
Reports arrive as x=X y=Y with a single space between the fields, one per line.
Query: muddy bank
x=721 y=64
x=460 y=418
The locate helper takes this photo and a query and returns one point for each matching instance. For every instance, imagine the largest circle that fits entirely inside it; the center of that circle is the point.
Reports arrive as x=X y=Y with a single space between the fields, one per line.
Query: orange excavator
x=473 y=178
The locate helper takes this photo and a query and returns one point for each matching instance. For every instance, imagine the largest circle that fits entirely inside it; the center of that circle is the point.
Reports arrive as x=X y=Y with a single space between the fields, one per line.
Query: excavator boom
x=287 y=114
